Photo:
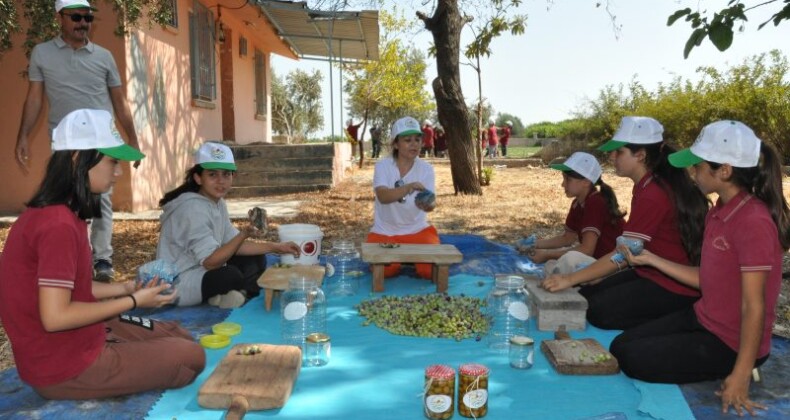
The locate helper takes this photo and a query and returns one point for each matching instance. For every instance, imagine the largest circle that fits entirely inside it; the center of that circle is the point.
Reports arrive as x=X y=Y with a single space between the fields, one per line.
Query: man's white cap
x=72 y=4
x=583 y=164
x=212 y=155
x=491 y=120
x=727 y=141
x=427 y=122
x=508 y=122
x=404 y=127
x=635 y=130
x=86 y=129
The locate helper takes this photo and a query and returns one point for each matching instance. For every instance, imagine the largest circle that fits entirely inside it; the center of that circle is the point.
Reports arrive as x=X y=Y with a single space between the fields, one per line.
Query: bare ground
x=518 y=201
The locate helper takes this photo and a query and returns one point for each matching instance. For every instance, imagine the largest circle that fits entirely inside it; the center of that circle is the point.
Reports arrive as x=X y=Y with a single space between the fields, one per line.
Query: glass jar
x=472 y=390
x=317 y=350
x=302 y=311
x=521 y=352
x=343 y=269
x=439 y=392
x=507 y=310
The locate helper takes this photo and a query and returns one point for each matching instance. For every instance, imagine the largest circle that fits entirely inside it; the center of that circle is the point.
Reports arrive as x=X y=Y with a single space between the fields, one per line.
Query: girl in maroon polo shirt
x=667 y=214
x=728 y=331
x=68 y=339
x=594 y=220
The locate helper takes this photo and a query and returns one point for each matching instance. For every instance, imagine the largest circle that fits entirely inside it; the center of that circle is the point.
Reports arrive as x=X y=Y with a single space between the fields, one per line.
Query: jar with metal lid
x=343 y=269
x=507 y=310
x=473 y=390
x=317 y=350
x=302 y=310
x=521 y=352
x=439 y=392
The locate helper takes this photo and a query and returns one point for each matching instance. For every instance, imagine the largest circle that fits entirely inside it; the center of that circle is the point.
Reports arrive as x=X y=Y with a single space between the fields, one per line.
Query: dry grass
x=518 y=201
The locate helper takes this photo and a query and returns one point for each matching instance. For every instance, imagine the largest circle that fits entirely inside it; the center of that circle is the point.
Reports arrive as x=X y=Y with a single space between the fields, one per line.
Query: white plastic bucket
x=307 y=237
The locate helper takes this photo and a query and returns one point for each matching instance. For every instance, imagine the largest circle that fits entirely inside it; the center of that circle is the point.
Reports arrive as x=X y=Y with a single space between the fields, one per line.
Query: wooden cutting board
x=252 y=382
x=578 y=356
x=276 y=278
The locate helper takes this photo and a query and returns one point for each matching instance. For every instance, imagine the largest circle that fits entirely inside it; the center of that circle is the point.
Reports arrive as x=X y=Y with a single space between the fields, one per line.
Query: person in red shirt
x=594 y=220
x=493 y=138
x=504 y=139
x=68 y=339
x=667 y=214
x=427 y=138
x=727 y=332
x=353 y=131
x=440 y=142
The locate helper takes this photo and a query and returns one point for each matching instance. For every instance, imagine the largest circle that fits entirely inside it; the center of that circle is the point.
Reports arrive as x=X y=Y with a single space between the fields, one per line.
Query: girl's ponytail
x=608 y=194
x=766 y=184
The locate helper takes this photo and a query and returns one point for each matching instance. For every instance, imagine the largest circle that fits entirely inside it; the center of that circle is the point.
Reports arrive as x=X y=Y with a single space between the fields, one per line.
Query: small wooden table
x=275 y=279
x=441 y=256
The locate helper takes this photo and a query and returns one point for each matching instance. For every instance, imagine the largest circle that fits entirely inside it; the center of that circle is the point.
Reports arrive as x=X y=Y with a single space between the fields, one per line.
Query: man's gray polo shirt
x=73 y=79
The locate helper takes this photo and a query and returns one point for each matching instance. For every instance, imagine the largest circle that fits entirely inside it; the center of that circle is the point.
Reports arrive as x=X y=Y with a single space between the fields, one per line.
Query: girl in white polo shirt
x=397 y=217
x=728 y=331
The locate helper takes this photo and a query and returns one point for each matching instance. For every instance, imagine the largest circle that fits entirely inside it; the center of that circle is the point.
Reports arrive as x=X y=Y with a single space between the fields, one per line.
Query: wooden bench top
x=437 y=254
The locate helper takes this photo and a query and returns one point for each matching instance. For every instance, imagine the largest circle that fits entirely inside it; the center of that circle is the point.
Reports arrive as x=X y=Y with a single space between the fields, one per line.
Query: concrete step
x=268 y=164
x=267 y=190
x=279 y=151
x=283 y=177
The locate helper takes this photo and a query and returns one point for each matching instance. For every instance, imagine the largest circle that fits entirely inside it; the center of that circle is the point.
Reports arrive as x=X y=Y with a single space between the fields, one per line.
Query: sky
x=570 y=52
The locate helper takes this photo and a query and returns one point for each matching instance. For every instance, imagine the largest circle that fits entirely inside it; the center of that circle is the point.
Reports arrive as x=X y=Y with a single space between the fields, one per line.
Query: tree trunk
x=445 y=25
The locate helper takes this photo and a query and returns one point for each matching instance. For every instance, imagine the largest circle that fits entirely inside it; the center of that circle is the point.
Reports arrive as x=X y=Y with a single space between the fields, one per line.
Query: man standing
x=375 y=138
x=76 y=73
x=427 y=138
x=493 y=139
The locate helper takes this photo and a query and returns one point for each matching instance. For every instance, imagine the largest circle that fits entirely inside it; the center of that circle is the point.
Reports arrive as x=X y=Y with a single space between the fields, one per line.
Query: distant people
x=440 y=142
x=217 y=263
x=504 y=139
x=353 y=131
x=397 y=217
x=727 y=332
x=76 y=73
x=375 y=137
x=67 y=337
x=492 y=137
x=592 y=225
x=667 y=214
x=427 y=138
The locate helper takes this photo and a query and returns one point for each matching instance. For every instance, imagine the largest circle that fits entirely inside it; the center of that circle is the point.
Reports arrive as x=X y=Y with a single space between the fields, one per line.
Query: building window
x=260 y=84
x=201 y=53
x=172 y=6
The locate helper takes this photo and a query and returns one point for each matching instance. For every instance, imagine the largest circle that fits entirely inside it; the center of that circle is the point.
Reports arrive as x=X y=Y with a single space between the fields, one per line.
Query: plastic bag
x=525 y=244
x=634 y=245
x=165 y=271
x=425 y=199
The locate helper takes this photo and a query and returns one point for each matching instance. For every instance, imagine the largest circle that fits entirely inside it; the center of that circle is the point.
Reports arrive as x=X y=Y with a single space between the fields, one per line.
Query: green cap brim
x=79 y=6
x=560 y=167
x=409 y=132
x=612 y=145
x=684 y=159
x=123 y=152
x=219 y=165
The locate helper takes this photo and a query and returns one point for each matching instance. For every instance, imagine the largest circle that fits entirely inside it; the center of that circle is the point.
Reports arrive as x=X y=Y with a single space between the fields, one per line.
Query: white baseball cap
x=583 y=164
x=212 y=155
x=635 y=130
x=404 y=127
x=491 y=120
x=427 y=122
x=86 y=129
x=72 y=4
x=726 y=141
x=508 y=122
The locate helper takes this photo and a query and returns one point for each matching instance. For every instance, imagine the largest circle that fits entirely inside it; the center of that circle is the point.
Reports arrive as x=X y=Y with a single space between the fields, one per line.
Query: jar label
x=476 y=399
x=518 y=310
x=295 y=311
x=438 y=403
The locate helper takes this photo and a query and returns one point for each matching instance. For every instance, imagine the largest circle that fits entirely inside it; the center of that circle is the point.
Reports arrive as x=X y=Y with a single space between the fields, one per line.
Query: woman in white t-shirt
x=397 y=216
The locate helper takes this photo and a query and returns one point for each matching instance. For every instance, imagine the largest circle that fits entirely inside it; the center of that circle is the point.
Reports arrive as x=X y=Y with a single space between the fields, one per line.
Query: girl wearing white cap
x=727 y=332
x=67 y=338
x=397 y=216
x=217 y=263
x=667 y=215
x=594 y=220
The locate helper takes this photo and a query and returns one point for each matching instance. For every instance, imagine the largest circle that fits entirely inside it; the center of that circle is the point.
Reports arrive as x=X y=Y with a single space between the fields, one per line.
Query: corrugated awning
x=345 y=35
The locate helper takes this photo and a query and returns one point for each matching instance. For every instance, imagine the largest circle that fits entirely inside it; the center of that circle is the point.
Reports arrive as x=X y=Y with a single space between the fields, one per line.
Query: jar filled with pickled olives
x=473 y=390
x=439 y=392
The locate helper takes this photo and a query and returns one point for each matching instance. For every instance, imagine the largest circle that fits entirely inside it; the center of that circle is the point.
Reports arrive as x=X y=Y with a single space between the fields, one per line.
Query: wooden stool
x=441 y=256
x=275 y=279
